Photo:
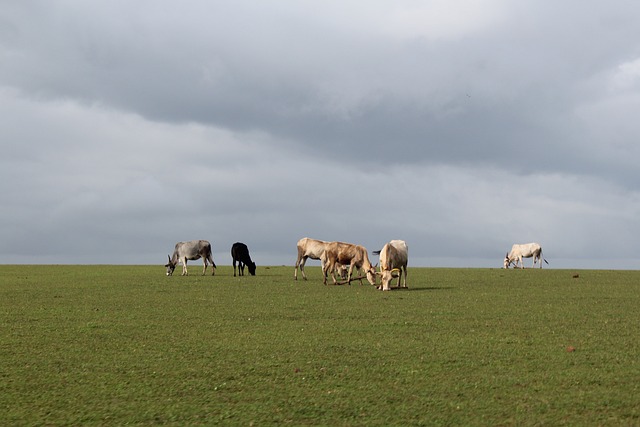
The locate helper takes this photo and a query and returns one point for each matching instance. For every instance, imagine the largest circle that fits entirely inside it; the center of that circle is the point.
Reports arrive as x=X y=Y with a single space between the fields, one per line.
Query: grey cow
x=195 y=249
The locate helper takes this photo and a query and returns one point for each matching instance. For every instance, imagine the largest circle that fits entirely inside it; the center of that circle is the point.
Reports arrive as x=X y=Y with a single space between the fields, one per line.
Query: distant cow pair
x=196 y=249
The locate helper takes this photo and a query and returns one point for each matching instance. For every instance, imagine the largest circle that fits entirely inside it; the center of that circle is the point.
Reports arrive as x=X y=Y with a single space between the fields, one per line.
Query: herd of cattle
x=334 y=257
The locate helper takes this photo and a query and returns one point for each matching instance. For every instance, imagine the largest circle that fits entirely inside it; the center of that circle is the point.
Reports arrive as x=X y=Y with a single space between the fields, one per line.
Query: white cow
x=314 y=249
x=526 y=250
x=394 y=257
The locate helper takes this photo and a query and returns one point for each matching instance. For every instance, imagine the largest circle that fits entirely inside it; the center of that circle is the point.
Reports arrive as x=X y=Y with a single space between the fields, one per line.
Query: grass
x=102 y=345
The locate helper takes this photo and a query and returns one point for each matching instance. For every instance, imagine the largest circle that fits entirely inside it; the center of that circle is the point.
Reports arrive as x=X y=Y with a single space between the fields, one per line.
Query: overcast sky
x=460 y=126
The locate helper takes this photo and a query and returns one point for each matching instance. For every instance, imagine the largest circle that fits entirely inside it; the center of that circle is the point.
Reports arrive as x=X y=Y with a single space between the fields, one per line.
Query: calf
x=240 y=253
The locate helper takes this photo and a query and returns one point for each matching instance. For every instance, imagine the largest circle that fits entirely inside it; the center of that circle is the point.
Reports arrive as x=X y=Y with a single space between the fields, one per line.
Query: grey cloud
x=513 y=124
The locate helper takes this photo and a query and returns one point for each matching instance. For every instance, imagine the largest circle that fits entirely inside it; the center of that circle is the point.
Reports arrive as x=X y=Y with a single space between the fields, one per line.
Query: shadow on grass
x=430 y=288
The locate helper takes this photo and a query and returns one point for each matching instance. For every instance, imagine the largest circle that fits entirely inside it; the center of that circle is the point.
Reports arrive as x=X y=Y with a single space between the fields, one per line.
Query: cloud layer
x=458 y=126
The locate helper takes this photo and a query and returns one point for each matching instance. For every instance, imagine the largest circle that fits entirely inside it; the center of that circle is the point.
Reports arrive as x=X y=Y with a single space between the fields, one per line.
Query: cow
x=240 y=253
x=314 y=249
x=195 y=249
x=527 y=250
x=355 y=256
x=308 y=248
x=393 y=258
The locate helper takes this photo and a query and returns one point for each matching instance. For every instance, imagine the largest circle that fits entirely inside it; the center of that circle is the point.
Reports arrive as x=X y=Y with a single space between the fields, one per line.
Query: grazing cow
x=192 y=250
x=527 y=250
x=240 y=253
x=347 y=254
x=314 y=249
x=308 y=248
x=393 y=257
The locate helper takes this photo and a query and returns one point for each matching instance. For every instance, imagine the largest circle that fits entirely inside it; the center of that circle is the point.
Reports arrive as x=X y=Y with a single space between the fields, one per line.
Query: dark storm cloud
x=477 y=96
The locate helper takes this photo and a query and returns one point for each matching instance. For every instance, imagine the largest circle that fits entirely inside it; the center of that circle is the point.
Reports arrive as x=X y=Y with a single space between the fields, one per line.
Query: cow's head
x=387 y=276
x=170 y=266
x=507 y=261
x=252 y=268
x=371 y=274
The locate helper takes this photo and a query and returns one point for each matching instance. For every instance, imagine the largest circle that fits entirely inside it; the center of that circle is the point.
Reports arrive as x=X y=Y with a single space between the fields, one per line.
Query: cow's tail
x=210 y=256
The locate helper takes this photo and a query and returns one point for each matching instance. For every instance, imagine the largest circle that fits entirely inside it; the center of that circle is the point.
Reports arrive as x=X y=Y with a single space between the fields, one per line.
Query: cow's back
x=525 y=250
x=402 y=251
x=312 y=248
x=193 y=248
x=335 y=251
x=394 y=255
x=239 y=251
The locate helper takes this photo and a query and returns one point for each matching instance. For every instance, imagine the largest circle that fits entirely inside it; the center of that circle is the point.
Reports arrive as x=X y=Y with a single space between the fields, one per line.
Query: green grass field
x=115 y=345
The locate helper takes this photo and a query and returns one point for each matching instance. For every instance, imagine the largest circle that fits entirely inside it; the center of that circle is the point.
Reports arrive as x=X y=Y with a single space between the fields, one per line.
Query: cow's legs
x=403 y=269
x=359 y=272
x=540 y=258
x=204 y=262
x=351 y=265
x=325 y=267
x=332 y=268
x=304 y=276
x=213 y=265
x=184 y=267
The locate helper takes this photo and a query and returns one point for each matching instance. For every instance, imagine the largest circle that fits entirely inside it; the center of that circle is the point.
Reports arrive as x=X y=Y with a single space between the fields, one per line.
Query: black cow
x=240 y=253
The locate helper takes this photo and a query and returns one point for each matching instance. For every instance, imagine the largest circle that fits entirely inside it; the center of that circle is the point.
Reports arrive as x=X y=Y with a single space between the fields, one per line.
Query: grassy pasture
x=113 y=345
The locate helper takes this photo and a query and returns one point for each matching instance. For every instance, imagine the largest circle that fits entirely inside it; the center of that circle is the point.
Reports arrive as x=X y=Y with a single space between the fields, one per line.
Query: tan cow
x=314 y=249
x=308 y=248
x=355 y=256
